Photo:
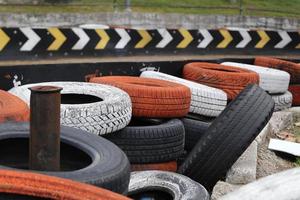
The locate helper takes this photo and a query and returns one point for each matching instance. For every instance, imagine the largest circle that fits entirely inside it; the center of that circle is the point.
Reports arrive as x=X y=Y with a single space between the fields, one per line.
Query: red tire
x=292 y=68
x=295 y=90
x=230 y=79
x=152 y=97
x=12 y=108
x=167 y=166
x=38 y=185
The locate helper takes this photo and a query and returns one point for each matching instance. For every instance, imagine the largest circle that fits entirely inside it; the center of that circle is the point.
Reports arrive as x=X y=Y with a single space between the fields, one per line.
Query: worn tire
x=166 y=166
x=295 y=90
x=205 y=100
x=271 y=80
x=292 y=68
x=152 y=97
x=194 y=130
x=179 y=186
x=283 y=186
x=100 y=117
x=228 y=136
x=12 y=108
x=230 y=79
x=15 y=183
x=152 y=143
x=102 y=170
x=282 y=101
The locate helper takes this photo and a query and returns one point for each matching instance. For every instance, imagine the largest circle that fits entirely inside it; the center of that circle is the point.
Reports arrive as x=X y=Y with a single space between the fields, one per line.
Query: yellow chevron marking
x=227 y=39
x=104 y=39
x=187 y=38
x=146 y=38
x=59 y=39
x=298 y=46
x=264 y=39
x=4 y=39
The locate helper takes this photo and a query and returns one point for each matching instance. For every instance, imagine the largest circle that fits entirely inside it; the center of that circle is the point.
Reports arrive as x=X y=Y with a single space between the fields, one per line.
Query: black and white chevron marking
x=36 y=42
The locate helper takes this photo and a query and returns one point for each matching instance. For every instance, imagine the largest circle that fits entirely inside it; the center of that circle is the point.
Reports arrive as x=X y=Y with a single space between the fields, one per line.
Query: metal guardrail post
x=127 y=5
x=44 y=143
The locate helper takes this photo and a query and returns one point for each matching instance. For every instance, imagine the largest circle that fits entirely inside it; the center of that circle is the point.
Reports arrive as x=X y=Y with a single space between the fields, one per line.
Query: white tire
x=205 y=100
x=109 y=115
x=178 y=186
x=282 y=101
x=283 y=186
x=271 y=80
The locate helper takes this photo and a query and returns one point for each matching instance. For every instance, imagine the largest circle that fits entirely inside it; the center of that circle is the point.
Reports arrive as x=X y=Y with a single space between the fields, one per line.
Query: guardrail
x=37 y=43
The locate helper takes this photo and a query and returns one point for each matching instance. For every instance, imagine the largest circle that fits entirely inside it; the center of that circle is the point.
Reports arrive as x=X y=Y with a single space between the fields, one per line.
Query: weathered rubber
x=12 y=108
x=37 y=185
x=102 y=171
x=282 y=101
x=273 y=81
x=283 y=186
x=194 y=130
x=151 y=144
x=295 y=90
x=292 y=68
x=228 y=136
x=109 y=115
x=166 y=166
x=179 y=186
x=230 y=79
x=206 y=100
x=152 y=97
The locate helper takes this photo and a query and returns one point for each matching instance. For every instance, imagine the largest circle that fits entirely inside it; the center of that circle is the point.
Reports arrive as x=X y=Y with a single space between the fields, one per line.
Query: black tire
x=85 y=157
x=228 y=136
x=151 y=141
x=176 y=185
x=194 y=130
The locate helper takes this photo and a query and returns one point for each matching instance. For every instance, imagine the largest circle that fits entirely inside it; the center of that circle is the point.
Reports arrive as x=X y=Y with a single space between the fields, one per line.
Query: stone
x=222 y=188
x=261 y=138
x=280 y=121
x=244 y=169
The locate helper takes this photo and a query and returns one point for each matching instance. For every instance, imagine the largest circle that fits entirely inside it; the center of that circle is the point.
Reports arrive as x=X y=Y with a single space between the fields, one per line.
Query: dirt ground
x=268 y=162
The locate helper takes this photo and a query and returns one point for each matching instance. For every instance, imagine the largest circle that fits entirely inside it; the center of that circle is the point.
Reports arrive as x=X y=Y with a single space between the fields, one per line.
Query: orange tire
x=12 y=108
x=167 y=166
x=152 y=97
x=292 y=68
x=295 y=90
x=232 y=80
x=38 y=185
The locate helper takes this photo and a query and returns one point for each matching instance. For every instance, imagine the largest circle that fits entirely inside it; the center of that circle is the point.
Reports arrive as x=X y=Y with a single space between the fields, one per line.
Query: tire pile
x=177 y=136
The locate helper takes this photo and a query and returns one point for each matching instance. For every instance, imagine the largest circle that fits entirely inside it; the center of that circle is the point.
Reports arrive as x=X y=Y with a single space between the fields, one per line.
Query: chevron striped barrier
x=22 y=43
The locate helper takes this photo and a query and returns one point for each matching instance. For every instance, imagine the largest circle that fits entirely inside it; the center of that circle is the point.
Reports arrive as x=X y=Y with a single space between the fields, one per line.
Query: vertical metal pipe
x=44 y=142
x=127 y=5
x=241 y=7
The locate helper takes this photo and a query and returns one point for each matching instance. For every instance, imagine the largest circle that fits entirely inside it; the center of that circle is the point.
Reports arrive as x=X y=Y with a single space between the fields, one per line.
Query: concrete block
x=222 y=188
x=280 y=121
x=261 y=138
x=244 y=169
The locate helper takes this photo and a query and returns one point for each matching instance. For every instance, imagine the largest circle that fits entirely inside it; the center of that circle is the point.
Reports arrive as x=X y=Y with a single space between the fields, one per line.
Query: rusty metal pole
x=44 y=142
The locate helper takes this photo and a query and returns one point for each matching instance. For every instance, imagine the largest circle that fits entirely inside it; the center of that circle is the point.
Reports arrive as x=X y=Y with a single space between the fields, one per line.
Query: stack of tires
x=154 y=138
x=273 y=81
x=119 y=124
x=206 y=104
x=292 y=68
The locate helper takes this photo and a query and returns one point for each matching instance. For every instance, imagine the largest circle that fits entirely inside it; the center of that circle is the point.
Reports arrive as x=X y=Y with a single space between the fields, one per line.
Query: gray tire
x=109 y=115
x=179 y=186
x=271 y=80
x=207 y=101
x=283 y=186
x=282 y=101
